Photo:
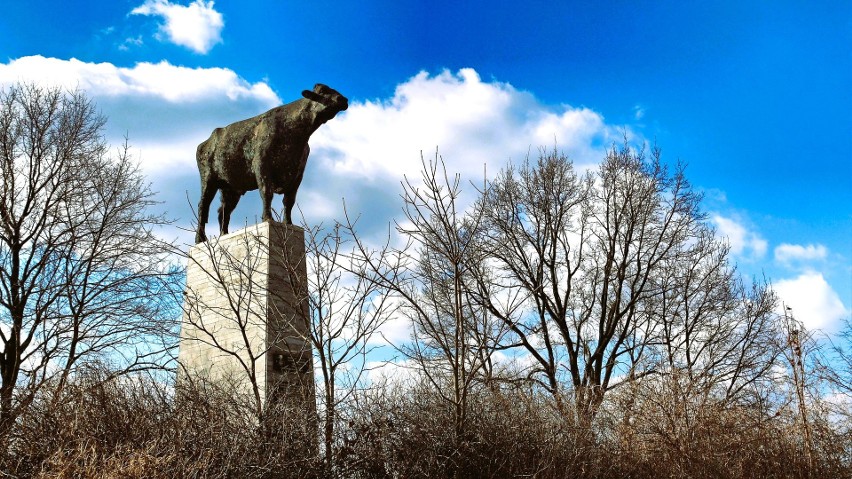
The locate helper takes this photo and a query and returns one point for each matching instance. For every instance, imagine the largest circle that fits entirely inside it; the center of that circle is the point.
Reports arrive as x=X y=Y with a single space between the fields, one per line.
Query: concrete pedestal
x=245 y=320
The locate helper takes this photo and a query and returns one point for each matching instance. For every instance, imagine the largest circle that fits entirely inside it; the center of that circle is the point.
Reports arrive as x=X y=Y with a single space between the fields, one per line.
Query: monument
x=267 y=153
x=246 y=319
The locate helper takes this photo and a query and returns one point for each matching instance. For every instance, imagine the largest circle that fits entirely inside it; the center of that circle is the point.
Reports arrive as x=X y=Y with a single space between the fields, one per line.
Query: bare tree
x=432 y=278
x=536 y=226
x=715 y=332
x=346 y=310
x=83 y=276
x=835 y=362
x=617 y=268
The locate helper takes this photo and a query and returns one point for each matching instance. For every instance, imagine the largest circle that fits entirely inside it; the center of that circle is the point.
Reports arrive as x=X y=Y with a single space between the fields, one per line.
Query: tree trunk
x=329 y=431
x=7 y=418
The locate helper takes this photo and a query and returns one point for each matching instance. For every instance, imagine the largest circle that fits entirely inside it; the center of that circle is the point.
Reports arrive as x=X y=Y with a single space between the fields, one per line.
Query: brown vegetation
x=143 y=428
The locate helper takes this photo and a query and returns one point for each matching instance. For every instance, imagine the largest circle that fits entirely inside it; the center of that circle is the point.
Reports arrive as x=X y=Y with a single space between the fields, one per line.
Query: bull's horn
x=313 y=96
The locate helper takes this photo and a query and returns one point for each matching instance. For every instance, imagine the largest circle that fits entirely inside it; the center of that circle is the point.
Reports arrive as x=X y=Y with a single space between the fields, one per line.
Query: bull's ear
x=313 y=96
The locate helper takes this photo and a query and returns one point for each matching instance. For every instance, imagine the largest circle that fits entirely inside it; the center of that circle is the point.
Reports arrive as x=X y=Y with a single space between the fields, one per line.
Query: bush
x=143 y=428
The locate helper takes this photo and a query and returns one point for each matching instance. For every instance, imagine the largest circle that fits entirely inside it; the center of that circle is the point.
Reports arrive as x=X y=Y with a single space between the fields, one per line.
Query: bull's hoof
x=200 y=237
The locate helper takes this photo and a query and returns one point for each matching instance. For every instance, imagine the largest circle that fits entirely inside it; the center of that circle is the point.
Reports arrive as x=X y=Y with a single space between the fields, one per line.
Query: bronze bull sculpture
x=267 y=153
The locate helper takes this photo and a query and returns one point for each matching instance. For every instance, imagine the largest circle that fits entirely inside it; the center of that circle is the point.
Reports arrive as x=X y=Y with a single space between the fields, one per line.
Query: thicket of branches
x=565 y=324
x=144 y=429
x=82 y=276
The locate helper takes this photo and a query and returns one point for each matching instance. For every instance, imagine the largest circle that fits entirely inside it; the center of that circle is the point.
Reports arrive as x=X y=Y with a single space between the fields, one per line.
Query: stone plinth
x=245 y=320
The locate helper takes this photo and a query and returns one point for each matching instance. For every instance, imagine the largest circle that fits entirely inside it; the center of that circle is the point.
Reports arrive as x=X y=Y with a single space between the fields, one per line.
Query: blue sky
x=753 y=96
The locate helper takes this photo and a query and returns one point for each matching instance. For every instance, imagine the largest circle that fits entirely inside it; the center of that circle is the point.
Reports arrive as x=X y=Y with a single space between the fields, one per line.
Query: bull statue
x=266 y=153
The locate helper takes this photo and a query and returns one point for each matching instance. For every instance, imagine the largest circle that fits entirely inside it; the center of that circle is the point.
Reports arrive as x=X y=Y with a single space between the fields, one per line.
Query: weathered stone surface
x=266 y=153
x=245 y=313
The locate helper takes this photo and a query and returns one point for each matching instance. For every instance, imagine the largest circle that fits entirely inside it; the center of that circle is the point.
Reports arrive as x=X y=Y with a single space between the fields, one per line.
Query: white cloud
x=787 y=253
x=131 y=42
x=813 y=301
x=161 y=80
x=393 y=373
x=197 y=26
x=166 y=109
x=363 y=154
x=744 y=243
x=473 y=122
x=396 y=331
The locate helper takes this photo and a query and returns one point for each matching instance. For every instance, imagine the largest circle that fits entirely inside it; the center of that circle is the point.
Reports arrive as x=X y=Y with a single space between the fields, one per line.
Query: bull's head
x=329 y=97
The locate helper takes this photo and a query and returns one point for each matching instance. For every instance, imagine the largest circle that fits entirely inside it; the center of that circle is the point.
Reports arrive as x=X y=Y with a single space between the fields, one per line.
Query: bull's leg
x=266 y=196
x=229 y=199
x=289 y=201
x=290 y=196
x=208 y=192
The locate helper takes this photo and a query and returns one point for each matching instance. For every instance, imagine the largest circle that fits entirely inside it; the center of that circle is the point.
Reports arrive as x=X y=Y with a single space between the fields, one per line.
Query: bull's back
x=227 y=155
x=270 y=144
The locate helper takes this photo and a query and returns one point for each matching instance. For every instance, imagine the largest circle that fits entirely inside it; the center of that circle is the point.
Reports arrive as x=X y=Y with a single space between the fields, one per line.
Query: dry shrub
x=662 y=429
x=142 y=428
x=641 y=433
x=508 y=433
